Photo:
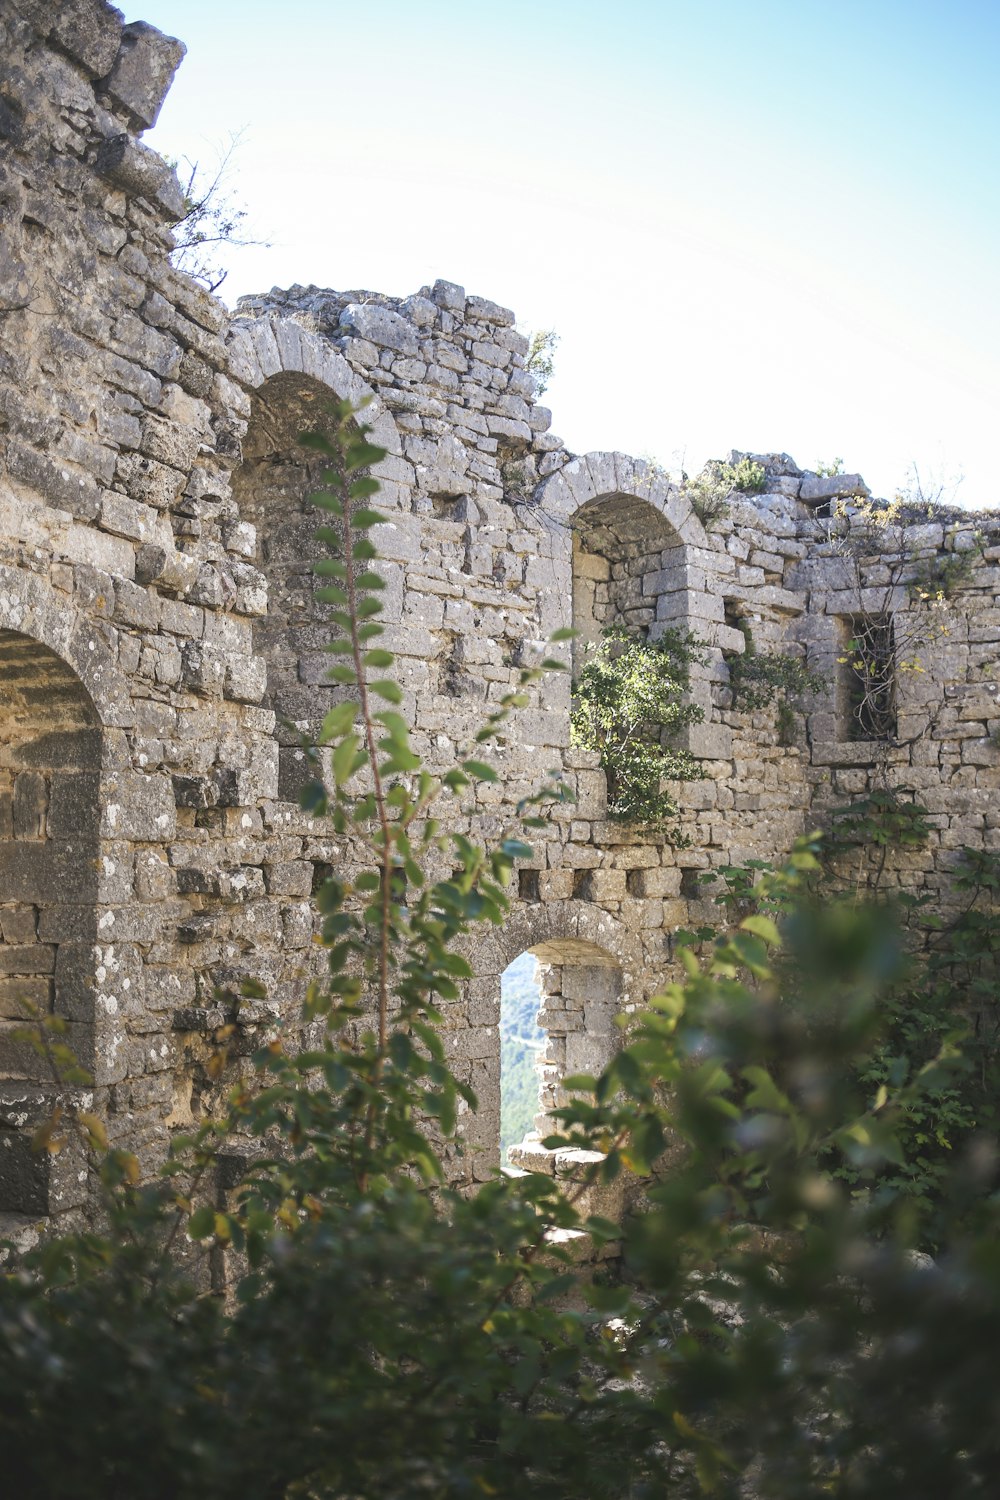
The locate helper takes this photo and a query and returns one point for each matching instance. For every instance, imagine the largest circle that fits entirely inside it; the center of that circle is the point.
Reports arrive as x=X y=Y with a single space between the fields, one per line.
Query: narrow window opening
x=522 y=1042
x=528 y=885
x=869 y=679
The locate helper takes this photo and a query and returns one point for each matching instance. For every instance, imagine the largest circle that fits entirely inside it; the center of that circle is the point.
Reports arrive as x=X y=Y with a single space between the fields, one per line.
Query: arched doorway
x=577 y=989
x=50 y=812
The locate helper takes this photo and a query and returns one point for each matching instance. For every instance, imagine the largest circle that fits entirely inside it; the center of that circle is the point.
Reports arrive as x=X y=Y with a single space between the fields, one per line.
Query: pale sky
x=767 y=225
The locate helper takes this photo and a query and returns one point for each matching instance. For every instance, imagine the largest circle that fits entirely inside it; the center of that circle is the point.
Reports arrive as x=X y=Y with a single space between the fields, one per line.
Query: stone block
x=148 y=480
x=449 y=295
x=141 y=173
x=142 y=72
x=292 y=879
x=169 y=443
x=29 y=805
x=139 y=808
x=25 y=995
x=74 y=805
x=41 y=873
x=246 y=679
x=707 y=741
x=166 y=567
x=203 y=669
x=380 y=326
x=59 y=485
x=90 y=31
x=132 y=519
x=39 y=1182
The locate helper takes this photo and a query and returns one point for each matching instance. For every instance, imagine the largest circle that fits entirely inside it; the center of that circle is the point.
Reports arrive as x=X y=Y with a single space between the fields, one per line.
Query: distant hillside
x=521 y=1040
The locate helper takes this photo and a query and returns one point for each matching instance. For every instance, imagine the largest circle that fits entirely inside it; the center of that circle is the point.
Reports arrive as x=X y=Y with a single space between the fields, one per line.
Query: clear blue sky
x=754 y=225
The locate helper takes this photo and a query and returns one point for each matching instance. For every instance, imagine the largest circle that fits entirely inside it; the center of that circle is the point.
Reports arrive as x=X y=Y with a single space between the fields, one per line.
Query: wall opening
x=271 y=487
x=50 y=764
x=522 y=1041
x=629 y=569
x=558 y=1004
x=867 y=685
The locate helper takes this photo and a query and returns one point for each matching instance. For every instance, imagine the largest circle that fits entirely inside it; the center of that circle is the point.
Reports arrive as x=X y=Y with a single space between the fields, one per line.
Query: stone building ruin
x=158 y=627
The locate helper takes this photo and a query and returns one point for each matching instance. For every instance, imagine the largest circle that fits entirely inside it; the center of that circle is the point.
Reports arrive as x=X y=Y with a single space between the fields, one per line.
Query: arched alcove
x=629 y=569
x=50 y=765
x=50 y=814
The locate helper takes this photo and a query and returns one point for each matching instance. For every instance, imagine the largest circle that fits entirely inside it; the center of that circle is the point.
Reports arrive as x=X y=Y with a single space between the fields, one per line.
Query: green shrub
x=628 y=702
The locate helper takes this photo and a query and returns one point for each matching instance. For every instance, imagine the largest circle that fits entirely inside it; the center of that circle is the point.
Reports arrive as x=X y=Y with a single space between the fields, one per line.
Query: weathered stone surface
x=141 y=173
x=90 y=32
x=816 y=488
x=380 y=326
x=143 y=71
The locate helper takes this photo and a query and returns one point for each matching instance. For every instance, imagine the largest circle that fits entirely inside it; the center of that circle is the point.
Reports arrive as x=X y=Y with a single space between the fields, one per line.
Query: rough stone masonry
x=158 y=627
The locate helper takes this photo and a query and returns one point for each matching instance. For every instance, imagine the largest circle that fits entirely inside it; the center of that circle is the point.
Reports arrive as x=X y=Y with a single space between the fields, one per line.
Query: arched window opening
x=558 y=1005
x=629 y=569
x=522 y=1041
x=271 y=487
x=50 y=763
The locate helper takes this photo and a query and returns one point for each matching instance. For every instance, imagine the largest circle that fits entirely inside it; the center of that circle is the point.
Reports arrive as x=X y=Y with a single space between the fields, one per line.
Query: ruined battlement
x=161 y=647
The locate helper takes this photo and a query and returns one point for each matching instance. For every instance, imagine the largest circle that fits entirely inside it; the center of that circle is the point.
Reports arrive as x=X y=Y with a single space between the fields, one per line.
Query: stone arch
x=263 y=347
x=64 y=707
x=291 y=375
x=592 y=967
x=640 y=554
x=31 y=607
x=50 y=817
x=631 y=534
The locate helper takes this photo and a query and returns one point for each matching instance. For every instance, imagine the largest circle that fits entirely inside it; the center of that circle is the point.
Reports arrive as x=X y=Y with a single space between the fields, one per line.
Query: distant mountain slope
x=521 y=1040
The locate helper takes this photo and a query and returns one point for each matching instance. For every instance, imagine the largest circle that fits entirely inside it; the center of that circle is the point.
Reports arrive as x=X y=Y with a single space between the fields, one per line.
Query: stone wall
x=161 y=648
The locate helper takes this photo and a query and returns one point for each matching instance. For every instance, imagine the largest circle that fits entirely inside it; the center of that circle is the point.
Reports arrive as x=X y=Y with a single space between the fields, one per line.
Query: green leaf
x=362 y=518
x=387 y=689
x=338 y=721
x=202 y=1223
x=480 y=769
x=344 y=756
x=395 y=724
x=361 y=455
x=762 y=927
x=363 y=487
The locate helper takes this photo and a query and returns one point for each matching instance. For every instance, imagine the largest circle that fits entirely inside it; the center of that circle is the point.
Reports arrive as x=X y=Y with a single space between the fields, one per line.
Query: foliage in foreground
x=773 y=1334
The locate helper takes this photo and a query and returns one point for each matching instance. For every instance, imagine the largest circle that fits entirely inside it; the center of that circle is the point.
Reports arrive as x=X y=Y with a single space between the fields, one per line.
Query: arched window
x=574 y=988
x=50 y=765
x=629 y=569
